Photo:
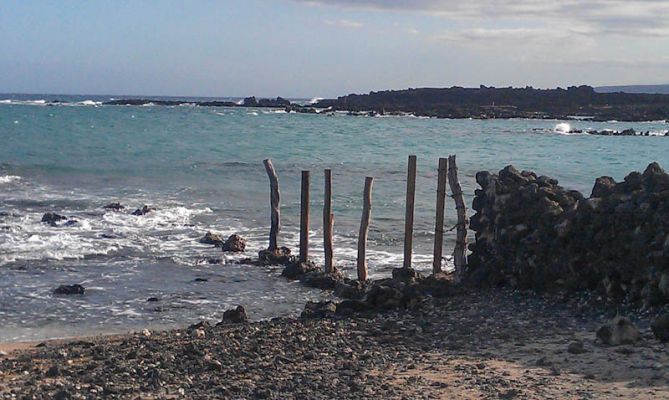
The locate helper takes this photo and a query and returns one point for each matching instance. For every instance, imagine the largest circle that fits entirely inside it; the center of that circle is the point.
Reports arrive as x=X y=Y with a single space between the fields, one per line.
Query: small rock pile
x=533 y=234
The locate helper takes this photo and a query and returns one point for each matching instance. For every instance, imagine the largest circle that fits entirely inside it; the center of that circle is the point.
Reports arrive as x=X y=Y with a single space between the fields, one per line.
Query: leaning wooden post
x=328 y=221
x=408 y=220
x=459 y=253
x=364 y=228
x=439 y=222
x=275 y=198
x=304 y=218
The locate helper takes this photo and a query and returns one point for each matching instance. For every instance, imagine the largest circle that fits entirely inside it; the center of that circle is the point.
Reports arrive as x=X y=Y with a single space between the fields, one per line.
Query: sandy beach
x=495 y=345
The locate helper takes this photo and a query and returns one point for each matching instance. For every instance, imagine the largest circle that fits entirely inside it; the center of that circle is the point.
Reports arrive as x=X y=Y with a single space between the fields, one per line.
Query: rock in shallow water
x=143 y=210
x=69 y=290
x=114 y=207
x=52 y=218
x=235 y=243
x=280 y=256
x=212 y=238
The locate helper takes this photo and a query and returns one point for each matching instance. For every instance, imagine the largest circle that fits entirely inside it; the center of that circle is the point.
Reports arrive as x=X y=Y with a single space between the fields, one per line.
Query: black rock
x=280 y=256
x=322 y=280
x=114 y=207
x=235 y=316
x=296 y=269
x=53 y=372
x=52 y=218
x=235 y=243
x=152 y=299
x=320 y=309
x=143 y=210
x=69 y=290
x=660 y=327
x=212 y=238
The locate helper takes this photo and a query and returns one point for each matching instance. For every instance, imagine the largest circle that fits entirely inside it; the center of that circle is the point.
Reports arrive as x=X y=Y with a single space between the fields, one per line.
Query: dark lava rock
x=152 y=299
x=114 y=207
x=322 y=280
x=618 y=331
x=200 y=280
x=296 y=269
x=235 y=243
x=350 y=307
x=576 y=348
x=53 y=372
x=52 y=218
x=212 y=238
x=350 y=289
x=143 y=210
x=280 y=256
x=660 y=327
x=406 y=274
x=69 y=289
x=235 y=316
x=319 y=309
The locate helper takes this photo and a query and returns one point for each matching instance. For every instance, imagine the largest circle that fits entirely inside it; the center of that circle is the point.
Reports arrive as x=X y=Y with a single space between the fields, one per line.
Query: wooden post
x=304 y=218
x=459 y=253
x=364 y=228
x=439 y=222
x=408 y=220
x=275 y=198
x=328 y=221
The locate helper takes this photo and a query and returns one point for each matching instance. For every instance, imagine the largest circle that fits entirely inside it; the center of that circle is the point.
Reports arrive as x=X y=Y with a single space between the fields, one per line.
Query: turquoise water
x=202 y=169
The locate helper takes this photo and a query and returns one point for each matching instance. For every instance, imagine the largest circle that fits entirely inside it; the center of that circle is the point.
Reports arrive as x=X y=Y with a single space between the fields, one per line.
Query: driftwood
x=328 y=222
x=439 y=221
x=275 y=199
x=459 y=253
x=364 y=229
x=304 y=218
x=408 y=220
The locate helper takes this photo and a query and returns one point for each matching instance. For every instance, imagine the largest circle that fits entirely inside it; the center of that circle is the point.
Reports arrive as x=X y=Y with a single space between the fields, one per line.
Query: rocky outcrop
x=533 y=234
x=660 y=327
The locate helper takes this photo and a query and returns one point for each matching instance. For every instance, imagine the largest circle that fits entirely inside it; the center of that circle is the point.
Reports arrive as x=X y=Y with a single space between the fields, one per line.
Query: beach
x=496 y=344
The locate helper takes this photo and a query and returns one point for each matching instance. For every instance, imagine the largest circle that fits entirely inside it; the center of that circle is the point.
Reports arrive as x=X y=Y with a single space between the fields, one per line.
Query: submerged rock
x=235 y=316
x=235 y=243
x=143 y=210
x=52 y=218
x=618 y=331
x=69 y=289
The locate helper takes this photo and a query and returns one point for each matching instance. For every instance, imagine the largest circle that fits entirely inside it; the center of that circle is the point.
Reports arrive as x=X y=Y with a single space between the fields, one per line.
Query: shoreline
x=492 y=344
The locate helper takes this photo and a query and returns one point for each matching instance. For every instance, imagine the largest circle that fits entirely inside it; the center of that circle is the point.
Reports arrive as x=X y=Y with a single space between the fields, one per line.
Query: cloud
x=344 y=23
x=643 y=18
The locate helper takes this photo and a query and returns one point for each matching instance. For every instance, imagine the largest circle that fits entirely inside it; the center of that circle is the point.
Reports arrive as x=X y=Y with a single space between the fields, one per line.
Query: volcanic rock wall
x=532 y=233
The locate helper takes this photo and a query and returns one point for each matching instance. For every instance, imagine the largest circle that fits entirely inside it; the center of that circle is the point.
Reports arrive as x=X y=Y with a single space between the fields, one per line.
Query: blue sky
x=300 y=48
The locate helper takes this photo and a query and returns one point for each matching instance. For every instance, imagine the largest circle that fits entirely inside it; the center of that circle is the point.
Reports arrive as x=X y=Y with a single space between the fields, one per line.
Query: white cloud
x=344 y=23
x=642 y=18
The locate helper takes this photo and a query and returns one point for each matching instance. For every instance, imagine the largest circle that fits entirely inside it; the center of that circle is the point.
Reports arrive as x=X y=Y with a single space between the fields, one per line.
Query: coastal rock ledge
x=532 y=233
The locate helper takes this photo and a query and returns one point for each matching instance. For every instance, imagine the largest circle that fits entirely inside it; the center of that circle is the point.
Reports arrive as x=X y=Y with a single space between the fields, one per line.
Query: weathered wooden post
x=364 y=229
x=439 y=222
x=408 y=219
x=328 y=221
x=459 y=253
x=275 y=198
x=304 y=218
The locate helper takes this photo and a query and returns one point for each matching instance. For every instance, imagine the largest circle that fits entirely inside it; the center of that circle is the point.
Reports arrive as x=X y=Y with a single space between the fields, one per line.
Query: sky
x=326 y=48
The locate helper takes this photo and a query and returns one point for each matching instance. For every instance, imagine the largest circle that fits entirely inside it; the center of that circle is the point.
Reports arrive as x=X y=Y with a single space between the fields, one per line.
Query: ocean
x=202 y=169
